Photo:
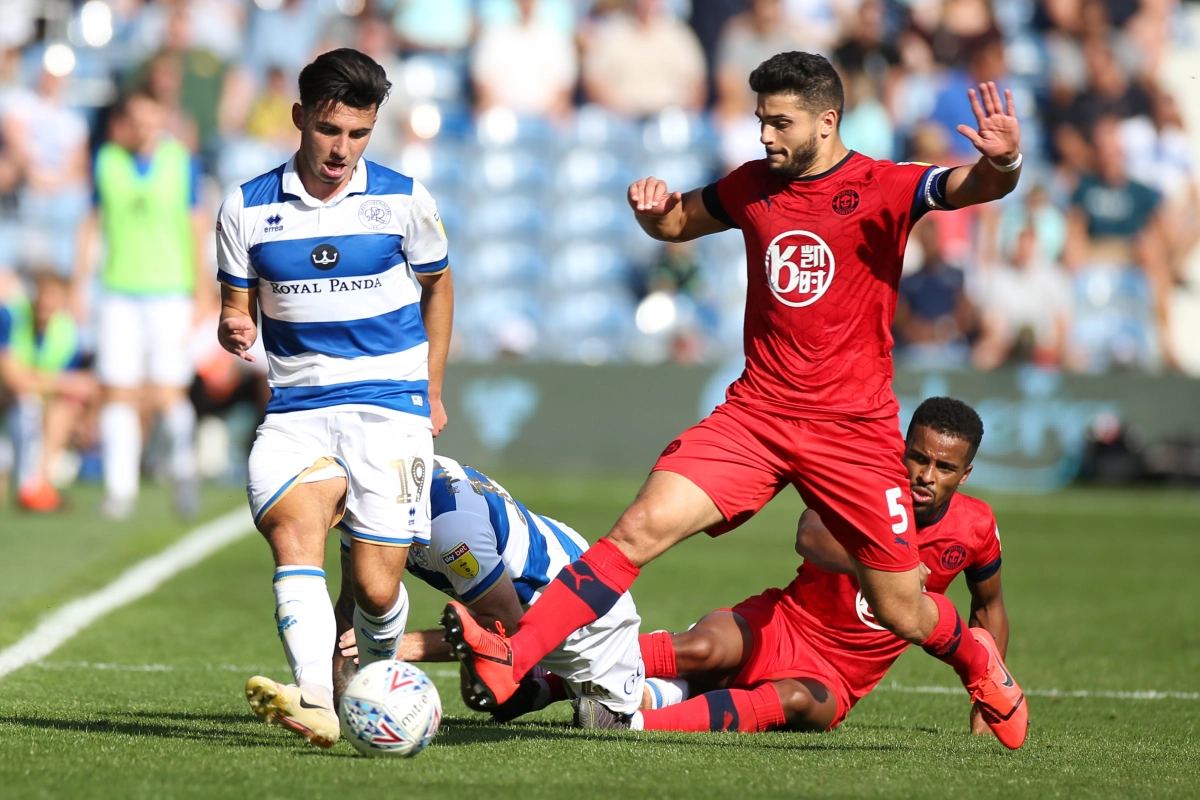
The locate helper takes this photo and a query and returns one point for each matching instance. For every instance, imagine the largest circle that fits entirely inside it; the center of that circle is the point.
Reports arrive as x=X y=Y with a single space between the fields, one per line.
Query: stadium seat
x=499 y=128
x=507 y=214
x=675 y=131
x=681 y=171
x=594 y=127
x=501 y=263
x=586 y=265
x=495 y=321
x=584 y=170
x=1114 y=323
x=512 y=170
x=594 y=217
x=589 y=327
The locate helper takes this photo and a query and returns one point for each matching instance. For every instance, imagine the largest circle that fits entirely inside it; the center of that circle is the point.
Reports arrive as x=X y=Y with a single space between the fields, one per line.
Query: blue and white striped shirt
x=340 y=308
x=480 y=533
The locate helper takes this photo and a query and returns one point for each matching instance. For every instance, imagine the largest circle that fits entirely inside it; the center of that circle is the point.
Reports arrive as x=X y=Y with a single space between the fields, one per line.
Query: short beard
x=800 y=162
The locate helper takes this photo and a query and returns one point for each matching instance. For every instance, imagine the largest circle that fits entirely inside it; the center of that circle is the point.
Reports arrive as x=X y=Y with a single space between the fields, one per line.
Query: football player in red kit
x=825 y=231
x=816 y=645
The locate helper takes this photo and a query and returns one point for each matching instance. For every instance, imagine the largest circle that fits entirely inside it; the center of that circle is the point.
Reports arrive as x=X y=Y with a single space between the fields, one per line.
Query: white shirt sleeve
x=233 y=252
x=425 y=244
x=462 y=546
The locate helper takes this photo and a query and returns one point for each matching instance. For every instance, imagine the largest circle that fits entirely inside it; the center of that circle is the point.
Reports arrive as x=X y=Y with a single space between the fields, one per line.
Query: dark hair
x=121 y=107
x=343 y=77
x=951 y=417
x=808 y=76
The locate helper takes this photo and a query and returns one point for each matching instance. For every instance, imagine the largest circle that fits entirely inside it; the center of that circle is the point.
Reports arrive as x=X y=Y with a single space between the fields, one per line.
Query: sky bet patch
x=461 y=560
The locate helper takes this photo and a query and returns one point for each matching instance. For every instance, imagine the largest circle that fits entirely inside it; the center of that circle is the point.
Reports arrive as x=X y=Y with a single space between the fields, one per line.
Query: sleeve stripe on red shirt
x=714 y=206
x=983 y=573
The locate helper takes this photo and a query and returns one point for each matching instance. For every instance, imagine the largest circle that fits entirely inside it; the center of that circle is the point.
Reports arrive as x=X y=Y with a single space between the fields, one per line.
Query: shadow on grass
x=229 y=729
x=463 y=731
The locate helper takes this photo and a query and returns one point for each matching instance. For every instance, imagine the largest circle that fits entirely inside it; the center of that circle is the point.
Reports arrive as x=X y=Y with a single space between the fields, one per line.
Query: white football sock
x=179 y=423
x=637 y=722
x=27 y=427
x=666 y=691
x=304 y=616
x=121 y=438
x=377 y=636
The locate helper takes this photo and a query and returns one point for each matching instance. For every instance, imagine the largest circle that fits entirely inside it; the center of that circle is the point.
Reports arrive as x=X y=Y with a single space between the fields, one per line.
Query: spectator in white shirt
x=528 y=66
x=1026 y=309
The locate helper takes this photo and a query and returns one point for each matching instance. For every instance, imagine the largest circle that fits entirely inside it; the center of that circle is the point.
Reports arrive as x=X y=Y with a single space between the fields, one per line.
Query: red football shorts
x=781 y=650
x=849 y=471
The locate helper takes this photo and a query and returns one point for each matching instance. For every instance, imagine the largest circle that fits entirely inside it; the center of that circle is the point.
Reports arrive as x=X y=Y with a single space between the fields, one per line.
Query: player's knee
x=637 y=529
x=901 y=619
x=377 y=597
x=696 y=653
x=797 y=703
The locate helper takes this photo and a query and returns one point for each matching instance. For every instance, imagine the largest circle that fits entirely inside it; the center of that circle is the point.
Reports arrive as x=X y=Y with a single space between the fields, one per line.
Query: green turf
x=1100 y=585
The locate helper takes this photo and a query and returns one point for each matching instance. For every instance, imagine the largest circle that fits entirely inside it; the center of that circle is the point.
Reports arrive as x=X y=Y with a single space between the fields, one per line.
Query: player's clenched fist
x=650 y=196
x=237 y=334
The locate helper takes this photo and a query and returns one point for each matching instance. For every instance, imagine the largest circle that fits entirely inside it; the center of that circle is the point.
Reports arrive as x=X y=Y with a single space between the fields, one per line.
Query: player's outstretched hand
x=999 y=135
x=237 y=334
x=650 y=197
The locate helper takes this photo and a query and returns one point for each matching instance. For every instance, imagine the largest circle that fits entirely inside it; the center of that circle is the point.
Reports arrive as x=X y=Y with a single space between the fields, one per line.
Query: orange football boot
x=487 y=657
x=39 y=496
x=998 y=698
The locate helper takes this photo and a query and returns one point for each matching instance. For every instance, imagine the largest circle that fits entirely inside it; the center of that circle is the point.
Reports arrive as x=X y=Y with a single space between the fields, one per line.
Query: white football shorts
x=144 y=341
x=387 y=463
x=604 y=660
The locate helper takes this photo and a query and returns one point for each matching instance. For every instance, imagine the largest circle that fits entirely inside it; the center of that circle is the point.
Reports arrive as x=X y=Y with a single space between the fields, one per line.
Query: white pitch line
x=135 y=583
x=1149 y=694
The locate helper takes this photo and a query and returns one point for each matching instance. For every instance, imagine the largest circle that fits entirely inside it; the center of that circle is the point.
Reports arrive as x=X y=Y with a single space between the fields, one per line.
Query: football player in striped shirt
x=490 y=552
x=341 y=266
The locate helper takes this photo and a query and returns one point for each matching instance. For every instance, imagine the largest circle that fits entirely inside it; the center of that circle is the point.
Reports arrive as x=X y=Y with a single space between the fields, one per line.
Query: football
x=390 y=708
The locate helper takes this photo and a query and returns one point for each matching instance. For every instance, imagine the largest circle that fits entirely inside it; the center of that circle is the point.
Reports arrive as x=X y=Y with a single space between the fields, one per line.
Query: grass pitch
x=1101 y=587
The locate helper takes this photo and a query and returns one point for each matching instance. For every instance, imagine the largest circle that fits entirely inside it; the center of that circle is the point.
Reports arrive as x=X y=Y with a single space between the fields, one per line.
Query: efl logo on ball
x=800 y=268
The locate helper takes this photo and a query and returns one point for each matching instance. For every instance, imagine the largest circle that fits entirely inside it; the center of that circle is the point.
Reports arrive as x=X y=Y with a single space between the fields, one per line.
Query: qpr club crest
x=374 y=214
x=799 y=267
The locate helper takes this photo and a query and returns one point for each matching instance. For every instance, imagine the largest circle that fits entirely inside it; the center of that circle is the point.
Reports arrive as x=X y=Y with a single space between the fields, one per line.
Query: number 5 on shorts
x=896 y=510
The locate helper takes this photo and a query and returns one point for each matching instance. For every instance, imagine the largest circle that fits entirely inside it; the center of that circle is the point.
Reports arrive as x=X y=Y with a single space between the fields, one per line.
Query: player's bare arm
x=437 y=312
x=997 y=137
x=816 y=545
x=671 y=216
x=237 y=330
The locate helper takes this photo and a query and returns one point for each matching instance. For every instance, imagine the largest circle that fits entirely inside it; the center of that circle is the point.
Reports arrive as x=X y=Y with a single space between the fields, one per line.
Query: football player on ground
x=329 y=250
x=825 y=231
x=816 y=643
x=491 y=553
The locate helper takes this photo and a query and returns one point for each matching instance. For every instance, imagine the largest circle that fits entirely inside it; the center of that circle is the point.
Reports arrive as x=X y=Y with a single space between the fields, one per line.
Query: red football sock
x=658 y=653
x=952 y=642
x=580 y=594
x=742 y=710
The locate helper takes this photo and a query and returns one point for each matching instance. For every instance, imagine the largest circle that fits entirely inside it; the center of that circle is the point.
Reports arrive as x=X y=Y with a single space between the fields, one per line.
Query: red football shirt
x=824 y=256
x=839 y=624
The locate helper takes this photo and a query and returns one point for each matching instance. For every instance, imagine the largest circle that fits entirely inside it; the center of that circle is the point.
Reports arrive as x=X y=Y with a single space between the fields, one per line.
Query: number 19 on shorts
x=406 y=470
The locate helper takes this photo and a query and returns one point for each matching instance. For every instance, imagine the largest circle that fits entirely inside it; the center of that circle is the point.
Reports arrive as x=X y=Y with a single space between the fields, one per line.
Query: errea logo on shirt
x=799 y=267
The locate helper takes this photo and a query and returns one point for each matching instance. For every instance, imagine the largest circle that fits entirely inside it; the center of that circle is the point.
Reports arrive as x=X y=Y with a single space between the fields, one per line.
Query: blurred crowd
x=527 y=119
